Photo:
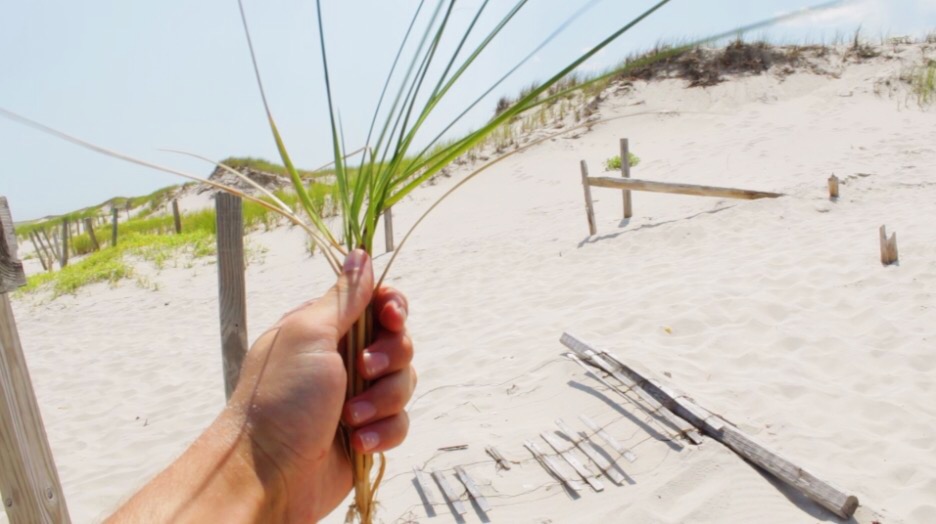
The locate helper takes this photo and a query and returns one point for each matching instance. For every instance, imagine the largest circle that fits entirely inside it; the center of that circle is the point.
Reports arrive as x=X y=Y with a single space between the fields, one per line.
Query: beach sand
x=776 y=314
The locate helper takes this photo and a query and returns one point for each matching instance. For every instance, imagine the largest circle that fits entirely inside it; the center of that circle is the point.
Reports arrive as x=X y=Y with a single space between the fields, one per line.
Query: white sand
x=776 y=314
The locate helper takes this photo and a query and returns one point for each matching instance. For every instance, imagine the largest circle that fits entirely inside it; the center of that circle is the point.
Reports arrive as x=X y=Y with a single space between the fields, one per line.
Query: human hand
x=291 y=392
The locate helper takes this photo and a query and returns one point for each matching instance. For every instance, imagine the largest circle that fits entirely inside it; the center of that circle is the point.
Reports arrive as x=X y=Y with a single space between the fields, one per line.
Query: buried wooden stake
x=176 y=217
x=232 y=289
x=64 y=253
x=888 y=247
x=625 y=173
x=388 y=228
x=589 y=206
x=833 y=187
x=836 y=501
x=114 y=227
x=39 y=254
x=89 y=227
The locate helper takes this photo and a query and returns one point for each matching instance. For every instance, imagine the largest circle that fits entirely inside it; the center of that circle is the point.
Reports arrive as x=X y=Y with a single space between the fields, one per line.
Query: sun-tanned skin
x=272 y=455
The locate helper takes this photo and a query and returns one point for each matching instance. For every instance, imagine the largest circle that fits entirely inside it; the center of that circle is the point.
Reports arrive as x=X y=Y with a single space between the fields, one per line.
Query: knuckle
x=406 y=347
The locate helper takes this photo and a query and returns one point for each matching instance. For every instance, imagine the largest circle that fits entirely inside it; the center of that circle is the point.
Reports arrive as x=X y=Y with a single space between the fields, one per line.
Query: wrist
x=249 y=472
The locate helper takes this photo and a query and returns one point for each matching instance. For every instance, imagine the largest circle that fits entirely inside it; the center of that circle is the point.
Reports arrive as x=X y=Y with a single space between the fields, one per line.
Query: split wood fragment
x=597 y=458
x=566 y=454
x=472 y=488
x=449 y=493
x=551 y=467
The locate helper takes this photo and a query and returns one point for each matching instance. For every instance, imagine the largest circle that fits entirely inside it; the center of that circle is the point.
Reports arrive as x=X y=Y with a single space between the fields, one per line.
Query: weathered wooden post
x=833 y=187
x=129 y=204
x=114 y=226
x=625 y=172
x=888 y=247
x=89 y=228
x=64 y=251
x=232 y=294
x=29 y=481
x=176 y=217
x=53 y=247
x=589 y=206
x=388 y=228
x=39 y=253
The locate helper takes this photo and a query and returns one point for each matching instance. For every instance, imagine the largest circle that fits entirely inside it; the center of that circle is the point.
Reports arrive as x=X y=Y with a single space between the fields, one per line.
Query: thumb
x=346 y=301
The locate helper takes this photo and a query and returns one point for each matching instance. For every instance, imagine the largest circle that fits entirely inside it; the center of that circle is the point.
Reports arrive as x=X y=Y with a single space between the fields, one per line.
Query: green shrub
x=614 y=163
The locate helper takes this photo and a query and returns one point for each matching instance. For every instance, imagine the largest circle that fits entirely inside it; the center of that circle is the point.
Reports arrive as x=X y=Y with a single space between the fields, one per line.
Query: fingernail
x=355 y=260
x=362 y=411
x=375 y=363
x=402 y=309
x=369 y=440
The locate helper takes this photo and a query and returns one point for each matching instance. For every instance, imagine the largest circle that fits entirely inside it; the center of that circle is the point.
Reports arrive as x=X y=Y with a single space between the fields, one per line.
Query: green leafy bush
x=614 y=163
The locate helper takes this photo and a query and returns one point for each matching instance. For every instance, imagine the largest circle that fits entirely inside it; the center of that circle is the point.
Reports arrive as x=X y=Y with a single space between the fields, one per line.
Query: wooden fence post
x=53 y=247
x=128 y=209
x=89 y=228
x=64 y=250
x=176 y=217
x=625 y=172
x=114 y=227
x=232 y=294
x=39 y=252
x=833 y=187
x=29 y=481
x=888 y=247
x=589 y=206
x=388 y=228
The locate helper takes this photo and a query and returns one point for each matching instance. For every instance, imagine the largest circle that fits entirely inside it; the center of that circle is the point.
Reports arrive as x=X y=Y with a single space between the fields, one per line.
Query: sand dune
x=776 y=314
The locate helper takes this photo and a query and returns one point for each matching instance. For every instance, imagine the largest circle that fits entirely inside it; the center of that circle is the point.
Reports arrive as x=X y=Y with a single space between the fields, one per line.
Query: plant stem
x=358 y=338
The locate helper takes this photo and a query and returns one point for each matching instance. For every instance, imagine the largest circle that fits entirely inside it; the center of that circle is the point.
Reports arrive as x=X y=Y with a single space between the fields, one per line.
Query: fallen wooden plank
x=587 y=353
x=678 y=189
x=449 y=493
x=425 y=487
x=829 y=497
x=611 y=441
x=472 y=489
x=566 y=454
x=551 y=467
x=599 y=460
x=496 y=455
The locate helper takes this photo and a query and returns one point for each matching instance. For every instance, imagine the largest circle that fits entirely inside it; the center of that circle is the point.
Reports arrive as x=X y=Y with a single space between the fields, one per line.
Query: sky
x=139 y=77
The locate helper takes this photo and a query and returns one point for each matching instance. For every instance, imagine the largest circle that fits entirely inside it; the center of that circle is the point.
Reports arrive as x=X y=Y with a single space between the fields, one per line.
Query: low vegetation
x=923 y=83
x=111 y=265
x=614 y=163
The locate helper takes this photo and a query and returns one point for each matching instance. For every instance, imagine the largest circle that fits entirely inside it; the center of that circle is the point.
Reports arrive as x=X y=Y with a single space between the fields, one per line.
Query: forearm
x=220 y=478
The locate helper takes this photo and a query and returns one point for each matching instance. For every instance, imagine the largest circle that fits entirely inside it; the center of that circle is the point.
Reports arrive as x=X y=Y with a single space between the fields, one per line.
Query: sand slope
x=775 y=313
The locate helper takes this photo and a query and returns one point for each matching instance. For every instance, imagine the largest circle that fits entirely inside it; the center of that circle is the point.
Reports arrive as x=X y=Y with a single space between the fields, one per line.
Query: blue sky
x=140 y=76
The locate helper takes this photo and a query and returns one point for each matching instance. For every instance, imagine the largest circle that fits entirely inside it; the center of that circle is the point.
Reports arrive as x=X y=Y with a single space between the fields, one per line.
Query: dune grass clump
x=923 y=83
x=614 y=163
